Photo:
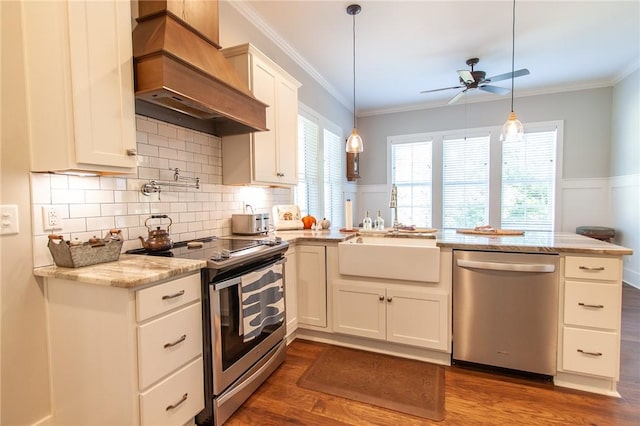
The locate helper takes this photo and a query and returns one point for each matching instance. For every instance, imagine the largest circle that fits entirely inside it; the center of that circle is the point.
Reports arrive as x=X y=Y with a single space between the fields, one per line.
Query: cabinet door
x=287 y=132
x=417 y=318
x=312 y=285
x=265 y=85
x=359 y=309
x=291 y=290
x=81 y=110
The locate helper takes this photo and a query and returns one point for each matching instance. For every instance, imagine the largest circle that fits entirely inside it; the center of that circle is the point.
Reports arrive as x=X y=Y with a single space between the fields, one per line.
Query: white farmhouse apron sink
x=411 y=259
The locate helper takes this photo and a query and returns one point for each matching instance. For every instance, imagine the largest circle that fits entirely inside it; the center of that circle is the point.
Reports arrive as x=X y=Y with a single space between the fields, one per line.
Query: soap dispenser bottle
x=366 y=222
x=379 y=222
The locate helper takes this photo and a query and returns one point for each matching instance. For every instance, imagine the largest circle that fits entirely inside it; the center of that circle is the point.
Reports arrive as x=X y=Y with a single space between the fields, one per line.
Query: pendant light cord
x=354 y=70
x=513 y=49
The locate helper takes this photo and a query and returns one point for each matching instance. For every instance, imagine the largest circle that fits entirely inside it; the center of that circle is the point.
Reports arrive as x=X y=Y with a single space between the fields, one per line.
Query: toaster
x=250 y=223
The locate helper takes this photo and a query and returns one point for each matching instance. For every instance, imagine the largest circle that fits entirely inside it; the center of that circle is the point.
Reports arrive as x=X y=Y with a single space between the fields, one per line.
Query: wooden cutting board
x=490 y=231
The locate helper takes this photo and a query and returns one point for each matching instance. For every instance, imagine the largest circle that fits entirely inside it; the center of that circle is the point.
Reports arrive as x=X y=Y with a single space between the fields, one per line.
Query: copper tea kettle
x=159 y=239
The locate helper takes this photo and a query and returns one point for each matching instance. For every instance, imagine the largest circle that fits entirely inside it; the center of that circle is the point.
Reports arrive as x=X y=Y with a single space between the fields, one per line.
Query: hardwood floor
x=472 y=397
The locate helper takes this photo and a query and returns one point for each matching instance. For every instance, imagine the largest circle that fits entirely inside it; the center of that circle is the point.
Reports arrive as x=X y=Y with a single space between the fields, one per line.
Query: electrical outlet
x=51 y=218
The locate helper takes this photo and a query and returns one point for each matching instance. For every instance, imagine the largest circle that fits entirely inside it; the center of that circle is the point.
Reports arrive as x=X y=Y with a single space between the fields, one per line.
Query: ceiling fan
x=477 y=80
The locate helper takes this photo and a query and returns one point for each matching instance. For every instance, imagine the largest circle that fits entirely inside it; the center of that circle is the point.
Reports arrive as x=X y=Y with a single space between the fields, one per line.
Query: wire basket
x=84 y=254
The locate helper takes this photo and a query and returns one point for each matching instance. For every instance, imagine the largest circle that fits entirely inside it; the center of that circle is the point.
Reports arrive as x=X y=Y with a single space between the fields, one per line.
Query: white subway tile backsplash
x=93 y=205
x=115 y=209
x=103 y=223
x=40 y=188
x=168 y=153
x=147 y=126
x=84 y=210
x=89 y=182
x=74 y=225
x=167 y=130
x=67 y=196
x=99 y=196
x=59 y=182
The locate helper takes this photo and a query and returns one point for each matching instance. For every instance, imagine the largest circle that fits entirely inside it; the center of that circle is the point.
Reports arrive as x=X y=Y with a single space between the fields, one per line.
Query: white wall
x=625 y=171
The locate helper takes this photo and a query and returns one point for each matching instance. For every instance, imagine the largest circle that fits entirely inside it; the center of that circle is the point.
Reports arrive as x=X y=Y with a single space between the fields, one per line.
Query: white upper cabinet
x=79 y=78
x=264 y=158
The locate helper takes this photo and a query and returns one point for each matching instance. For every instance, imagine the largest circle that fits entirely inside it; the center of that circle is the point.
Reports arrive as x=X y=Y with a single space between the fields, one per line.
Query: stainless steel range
x=243 y=317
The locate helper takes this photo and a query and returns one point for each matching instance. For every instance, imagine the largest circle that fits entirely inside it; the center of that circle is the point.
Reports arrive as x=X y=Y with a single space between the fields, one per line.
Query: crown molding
x=250 y=14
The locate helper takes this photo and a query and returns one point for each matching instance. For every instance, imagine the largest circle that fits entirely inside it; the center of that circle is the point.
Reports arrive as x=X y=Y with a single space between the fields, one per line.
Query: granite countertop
x=131 y=271
x=531 y=241
x=128 y=272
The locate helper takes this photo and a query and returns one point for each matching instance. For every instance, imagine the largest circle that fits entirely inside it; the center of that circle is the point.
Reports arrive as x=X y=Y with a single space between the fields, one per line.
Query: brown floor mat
x=405 y=385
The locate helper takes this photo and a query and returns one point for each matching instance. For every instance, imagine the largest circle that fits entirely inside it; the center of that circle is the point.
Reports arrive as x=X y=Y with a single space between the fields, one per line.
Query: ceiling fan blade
x=466 y=76
x=495 y=89
x=444 y=88
x=505 y=76
x=456 y=97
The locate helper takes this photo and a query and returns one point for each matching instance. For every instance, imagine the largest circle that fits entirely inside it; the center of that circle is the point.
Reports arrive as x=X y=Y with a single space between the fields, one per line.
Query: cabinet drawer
x=590 y=352
x=168 y=342
x=176 y=400
x=591 y=305
x=162 y=298
x=596 y=268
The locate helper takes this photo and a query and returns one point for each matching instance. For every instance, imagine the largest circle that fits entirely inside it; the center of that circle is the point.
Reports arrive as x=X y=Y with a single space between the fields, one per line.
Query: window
x=446 y=180
x=307 y=192
x=465 y=182
x=320 y=167
x=333 y=176
x=528 y=182
x=411 y=173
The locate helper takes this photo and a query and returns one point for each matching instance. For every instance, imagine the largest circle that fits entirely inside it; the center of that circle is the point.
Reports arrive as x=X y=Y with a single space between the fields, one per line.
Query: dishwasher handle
x=498 y=266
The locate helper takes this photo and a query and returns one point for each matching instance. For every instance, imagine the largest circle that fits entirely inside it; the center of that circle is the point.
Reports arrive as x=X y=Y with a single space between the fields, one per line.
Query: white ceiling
x=404 y=47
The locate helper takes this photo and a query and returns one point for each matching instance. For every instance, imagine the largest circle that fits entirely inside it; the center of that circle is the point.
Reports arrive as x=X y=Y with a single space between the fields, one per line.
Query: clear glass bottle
x=379 y=222
x=366 y=222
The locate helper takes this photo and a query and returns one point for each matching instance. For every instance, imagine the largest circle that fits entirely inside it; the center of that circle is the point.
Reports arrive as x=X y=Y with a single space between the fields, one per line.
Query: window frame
x=323 y=124
x=495 y=161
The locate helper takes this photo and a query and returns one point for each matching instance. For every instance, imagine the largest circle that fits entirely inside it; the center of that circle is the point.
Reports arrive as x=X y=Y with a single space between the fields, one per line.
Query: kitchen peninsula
x=322 y=305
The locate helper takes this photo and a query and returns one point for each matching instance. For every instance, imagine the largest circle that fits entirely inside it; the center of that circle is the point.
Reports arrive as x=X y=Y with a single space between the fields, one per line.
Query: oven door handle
x=237 y=280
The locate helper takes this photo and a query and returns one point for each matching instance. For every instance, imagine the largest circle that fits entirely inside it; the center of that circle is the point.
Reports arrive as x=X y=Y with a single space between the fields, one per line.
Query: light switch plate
x=9 y=219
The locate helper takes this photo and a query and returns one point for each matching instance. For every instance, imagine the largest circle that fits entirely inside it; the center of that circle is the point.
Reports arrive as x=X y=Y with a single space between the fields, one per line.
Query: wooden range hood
x=181 y=77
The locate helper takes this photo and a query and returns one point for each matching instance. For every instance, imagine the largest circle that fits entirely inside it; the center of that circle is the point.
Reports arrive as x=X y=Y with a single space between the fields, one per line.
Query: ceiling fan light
x=354 y=143
x=512 y=130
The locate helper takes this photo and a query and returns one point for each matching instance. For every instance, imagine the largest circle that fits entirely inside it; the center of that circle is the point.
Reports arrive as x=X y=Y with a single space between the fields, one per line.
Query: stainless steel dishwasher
x=505 y=310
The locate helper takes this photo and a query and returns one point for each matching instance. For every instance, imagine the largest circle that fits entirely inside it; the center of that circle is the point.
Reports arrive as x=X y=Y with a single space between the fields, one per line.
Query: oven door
x=236 y=342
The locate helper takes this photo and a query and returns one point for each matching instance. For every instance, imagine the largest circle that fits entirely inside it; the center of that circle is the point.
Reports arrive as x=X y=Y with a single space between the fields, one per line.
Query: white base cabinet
x=125 y=357
x=396 y=313
x=311 y=285
x=589 y=333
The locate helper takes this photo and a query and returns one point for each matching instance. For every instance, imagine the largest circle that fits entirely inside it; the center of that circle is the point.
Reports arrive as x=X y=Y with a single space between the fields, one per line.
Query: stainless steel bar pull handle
x=590 y=353
x=173 y=296
x=172 y=344
x=498 y=266
x=586 y=305
x=591 y=268
x=173 y=406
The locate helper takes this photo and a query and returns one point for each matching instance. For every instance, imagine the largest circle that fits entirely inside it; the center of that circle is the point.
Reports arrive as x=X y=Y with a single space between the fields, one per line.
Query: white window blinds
x=307 y=192
x=333 y=176
x=411 y=172
x=528 y=182
x=465 y=186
